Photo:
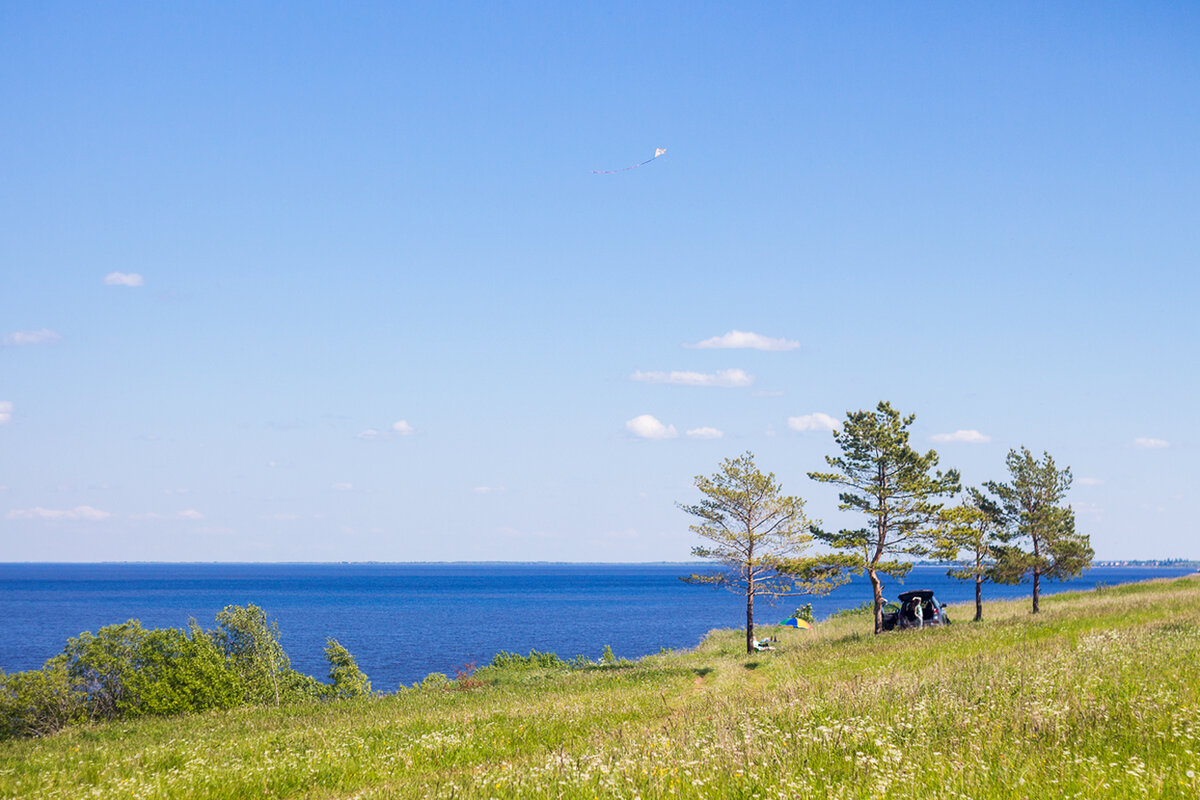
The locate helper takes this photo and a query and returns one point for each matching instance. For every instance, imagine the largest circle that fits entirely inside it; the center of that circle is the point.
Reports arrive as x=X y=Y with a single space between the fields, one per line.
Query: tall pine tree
x=894 y=486
x=1034 y=517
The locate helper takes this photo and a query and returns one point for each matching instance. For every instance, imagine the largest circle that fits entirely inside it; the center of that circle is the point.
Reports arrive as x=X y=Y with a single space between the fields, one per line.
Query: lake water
x=403 y=621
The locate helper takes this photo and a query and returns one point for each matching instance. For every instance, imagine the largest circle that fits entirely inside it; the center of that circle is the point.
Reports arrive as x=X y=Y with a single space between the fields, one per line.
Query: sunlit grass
x=1097 y=696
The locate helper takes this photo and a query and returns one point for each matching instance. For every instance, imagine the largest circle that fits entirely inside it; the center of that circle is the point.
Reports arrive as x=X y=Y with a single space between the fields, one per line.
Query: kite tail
x=625 y=169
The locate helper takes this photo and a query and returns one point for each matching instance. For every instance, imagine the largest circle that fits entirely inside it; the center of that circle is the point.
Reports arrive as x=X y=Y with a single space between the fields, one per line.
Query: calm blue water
x=403 y=621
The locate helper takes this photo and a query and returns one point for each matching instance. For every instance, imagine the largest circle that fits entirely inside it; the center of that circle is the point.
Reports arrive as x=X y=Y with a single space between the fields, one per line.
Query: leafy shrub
x=39 y=702
x=433 y=681
x=535 y=659
x=101 y=665
x=128 y=671
x=177 y=673
x=346 y=680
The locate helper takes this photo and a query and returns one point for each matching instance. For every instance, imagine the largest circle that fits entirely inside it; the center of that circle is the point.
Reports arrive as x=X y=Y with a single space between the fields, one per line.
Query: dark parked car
x=917 y=608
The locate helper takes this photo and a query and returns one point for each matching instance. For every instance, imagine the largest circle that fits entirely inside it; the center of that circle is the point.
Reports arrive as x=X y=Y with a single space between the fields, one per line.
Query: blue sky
x=335 y=282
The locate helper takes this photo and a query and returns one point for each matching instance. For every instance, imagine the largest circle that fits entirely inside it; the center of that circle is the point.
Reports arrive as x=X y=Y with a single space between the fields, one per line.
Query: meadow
x=1096 y=696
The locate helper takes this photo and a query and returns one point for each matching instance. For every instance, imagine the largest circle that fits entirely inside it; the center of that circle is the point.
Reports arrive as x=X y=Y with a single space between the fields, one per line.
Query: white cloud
x=1090 y=481
x=722 y=377
x=705 y=433
x=123 y=279
x=815 y=421
x=44 y=336
x=341 y=487
x=1147 y=443
x=744 y=340
x=647 y=427
x=6 y=411
x=190 y=513
x=967 y=437
x=487 y=489
x=398 y=428
x=77 y=513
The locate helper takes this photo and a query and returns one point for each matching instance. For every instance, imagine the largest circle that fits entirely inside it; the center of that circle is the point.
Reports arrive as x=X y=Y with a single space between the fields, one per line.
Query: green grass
x=1097 y=696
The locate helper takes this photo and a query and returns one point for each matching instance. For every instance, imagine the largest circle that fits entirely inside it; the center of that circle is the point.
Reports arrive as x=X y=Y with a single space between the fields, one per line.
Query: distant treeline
x=127 y=671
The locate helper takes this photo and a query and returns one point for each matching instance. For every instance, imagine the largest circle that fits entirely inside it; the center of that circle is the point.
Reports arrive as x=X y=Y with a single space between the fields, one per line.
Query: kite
x=657 y=152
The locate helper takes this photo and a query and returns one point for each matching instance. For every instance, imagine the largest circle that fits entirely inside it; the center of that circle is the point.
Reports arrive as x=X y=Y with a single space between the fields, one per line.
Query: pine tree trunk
x=1037 y=582
x=749 y=623
x=978 y=598
x=877 y=593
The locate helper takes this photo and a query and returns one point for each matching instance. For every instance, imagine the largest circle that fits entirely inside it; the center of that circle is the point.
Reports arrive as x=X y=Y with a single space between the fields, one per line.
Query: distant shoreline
x=1149 y=563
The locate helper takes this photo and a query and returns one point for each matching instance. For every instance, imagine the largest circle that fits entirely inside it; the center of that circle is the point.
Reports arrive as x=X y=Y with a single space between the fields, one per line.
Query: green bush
x=433 y=681
x=179 y=673
x=346 y=680
x=102 y=665
x=535 y=659
x=39 y=702
x=125 y=670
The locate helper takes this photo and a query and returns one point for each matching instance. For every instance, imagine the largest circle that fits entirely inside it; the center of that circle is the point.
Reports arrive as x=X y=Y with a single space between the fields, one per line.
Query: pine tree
x=1032 y=513
x=971 y=527
x=894 y=486
x=757 y=535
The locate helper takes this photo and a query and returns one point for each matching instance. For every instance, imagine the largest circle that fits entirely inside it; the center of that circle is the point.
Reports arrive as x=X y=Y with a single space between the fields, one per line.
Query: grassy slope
x=1097 y=696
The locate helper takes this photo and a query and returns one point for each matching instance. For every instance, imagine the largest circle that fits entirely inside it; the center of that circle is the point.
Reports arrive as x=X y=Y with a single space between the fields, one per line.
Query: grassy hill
x=1097 y=696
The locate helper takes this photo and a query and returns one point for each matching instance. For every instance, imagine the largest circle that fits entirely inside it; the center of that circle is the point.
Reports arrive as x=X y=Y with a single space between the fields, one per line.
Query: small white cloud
x=1147 y=443
x=487 y=489
x=175 y=491
x=723 y=377
x=815 y=421
x=6 y=411
x=341 y=487
x=123 y=279
x=1090 y=481
x=398 y=428
x=44 y=336
x=647 y=427
x=77 y=513
x=967 y=437
x=190 y=513
x=744 y=340
x=705 y=433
